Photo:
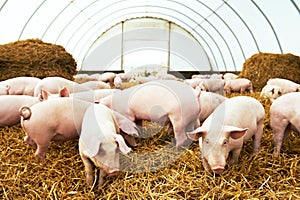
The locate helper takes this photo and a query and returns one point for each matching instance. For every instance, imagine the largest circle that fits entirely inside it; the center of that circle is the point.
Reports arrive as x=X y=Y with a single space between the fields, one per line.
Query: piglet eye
x=225 y=142
x=206 y=141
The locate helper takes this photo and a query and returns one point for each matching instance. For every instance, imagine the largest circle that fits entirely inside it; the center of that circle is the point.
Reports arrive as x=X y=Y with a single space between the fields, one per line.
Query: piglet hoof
x=134 y=147
x=182 y=146
x=232 y=162
x=89 y=181
x=255 y=151
x=102 y=174
x=40 y=157
x=276 y=154
x=100 y=184
x=180 y=149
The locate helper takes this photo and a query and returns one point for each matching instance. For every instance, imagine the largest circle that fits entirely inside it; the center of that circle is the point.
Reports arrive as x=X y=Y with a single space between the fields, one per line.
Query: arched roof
x=229 y=31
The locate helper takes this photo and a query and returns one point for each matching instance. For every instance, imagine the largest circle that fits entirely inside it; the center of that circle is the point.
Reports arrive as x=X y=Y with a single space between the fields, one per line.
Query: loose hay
x=35 y=58
x=260 y=67
x=62 y=175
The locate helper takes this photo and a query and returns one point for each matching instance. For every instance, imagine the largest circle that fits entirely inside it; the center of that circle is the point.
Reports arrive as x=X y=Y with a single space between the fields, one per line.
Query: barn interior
x=257 y=40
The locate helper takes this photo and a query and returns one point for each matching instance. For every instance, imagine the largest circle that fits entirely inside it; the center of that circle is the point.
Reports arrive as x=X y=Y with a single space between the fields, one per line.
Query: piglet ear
x=64 y=92
x=122 y=145
x=238 y=134
x=44 y=95
x=126 y=125
x=7 y=87
x=197 y=133
x=235 y=132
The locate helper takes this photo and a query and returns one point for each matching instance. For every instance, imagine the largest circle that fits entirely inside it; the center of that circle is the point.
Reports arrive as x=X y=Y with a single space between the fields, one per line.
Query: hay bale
x=36 y=58
x=260 y=67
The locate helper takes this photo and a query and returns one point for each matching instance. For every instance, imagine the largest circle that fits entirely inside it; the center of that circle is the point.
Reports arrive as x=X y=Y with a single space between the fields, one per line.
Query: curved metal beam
x=296 y=6
x=56 y=17
x=75 y=16
x=184 y=5
x=253 y=37
x=3 y=5
x=173 y=22
x=209 y=60
x=232 y=32
x=265 y=16
x=181 y=13
x=161 y=13
x=233 y=60
x=24 y=27
x=171 y=17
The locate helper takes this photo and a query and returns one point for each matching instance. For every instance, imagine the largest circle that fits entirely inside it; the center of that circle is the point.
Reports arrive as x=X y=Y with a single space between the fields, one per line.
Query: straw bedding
x=61 y=175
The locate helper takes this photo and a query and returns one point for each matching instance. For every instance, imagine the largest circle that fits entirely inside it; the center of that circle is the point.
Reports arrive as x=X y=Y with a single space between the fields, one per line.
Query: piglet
x=45 y=95
x=54 y=84
x=19 y=85
x=163 y=101
x=194 y=82
x=284 y=117
x=92 y=96
x=82 y=78
x=223 y=133
x=238 y=85
x=4 y=89
x=95 y=85
x=100 y=143
x=167 y=76
x=10 y=105
x=229 y=76
x=208 y=103
x=118 y=82
x=271 y=92
x=57 y=119
x=212 y=85
x=285 y=85
x=107 y=77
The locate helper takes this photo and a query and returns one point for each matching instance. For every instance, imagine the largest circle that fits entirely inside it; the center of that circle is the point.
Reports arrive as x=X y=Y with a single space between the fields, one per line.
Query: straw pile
x=61 y=175
x=260 y=67
x=35 y=58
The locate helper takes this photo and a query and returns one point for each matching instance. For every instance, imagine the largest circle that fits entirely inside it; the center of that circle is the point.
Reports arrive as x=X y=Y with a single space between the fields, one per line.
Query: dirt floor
x=151 y=171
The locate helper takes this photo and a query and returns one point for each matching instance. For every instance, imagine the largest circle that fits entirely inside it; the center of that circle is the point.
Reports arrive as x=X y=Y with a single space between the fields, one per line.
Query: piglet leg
x=40 y=152
x=233 y=159
x=29 y=141
x=279 y=131
x=257 y=137
x=101 y=176
x=89 y=170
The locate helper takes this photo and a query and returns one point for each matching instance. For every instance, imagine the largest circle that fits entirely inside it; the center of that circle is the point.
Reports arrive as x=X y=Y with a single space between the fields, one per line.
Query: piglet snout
x=113 y=172
x=218 y=169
